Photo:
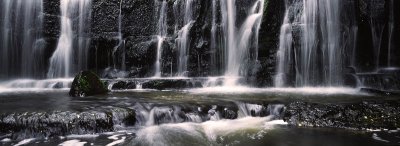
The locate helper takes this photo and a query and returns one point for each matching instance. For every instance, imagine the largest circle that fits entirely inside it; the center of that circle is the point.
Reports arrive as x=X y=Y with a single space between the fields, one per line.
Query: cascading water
x=183 y=41
x=239 y=42
x=60 y=62
x=284 y=53
x=318 y=54
x=161 y=34
x=20 y=38
x=62 y=59
x=83 y=38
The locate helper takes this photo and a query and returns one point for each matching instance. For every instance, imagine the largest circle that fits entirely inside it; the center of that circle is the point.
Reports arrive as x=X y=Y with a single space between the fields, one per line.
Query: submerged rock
x=87 y=83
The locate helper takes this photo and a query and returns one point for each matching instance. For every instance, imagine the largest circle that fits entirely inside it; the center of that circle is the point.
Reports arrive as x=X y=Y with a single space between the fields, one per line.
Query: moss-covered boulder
x=87 y=83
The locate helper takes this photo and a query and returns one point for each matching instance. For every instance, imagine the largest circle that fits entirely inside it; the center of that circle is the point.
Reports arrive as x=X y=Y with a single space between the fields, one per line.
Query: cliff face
x=123 y=34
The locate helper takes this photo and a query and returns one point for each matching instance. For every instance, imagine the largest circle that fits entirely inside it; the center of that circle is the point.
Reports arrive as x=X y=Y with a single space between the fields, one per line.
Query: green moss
x=83 y=83
x=265 y=8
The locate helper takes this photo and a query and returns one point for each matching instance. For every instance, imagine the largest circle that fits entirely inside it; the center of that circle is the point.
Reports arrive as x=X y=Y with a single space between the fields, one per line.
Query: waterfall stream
x=20 y=38
x=161 y=34
x=63 y=57
x=183 y=40
x=317 y=51
x=239 y=42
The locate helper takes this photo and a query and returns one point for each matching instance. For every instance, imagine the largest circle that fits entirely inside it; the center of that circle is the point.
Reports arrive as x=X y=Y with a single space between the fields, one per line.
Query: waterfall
x=213 y=41
x=161 y=34
x=318 y=57
x=183 y=40
x=62 y=59
x=285 y=52
x=83 y=38
x=21 y=31
x=7 y=4
x=238 y=42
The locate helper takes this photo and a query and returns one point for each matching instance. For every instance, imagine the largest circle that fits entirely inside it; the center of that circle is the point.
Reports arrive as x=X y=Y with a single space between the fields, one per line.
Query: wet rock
x=87 y=83
x=165 y=84
x=365 y=115
x=378 y=92
x=119 y=85
x=61 y=123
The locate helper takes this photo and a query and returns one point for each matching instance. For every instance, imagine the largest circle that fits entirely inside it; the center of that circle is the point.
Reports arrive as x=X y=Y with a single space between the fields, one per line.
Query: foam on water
x=25 y=141
x=6 y=140
x=116 y=142
x=31 y=83
x=73 y=142
x=203 y=133
x=74 y=136
x=249 y=90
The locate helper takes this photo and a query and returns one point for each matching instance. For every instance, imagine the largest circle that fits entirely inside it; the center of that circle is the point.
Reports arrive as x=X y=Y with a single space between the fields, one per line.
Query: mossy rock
x=87 y=83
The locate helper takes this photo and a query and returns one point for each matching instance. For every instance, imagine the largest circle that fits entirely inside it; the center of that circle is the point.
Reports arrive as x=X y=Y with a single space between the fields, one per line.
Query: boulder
x=87 y=83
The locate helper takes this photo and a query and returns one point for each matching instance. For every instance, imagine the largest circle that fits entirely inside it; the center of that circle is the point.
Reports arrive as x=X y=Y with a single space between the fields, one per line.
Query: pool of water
x=161 y=124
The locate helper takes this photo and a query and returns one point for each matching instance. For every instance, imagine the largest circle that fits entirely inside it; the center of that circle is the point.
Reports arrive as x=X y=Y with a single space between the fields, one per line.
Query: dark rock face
x=87 y=83
x=364 y=115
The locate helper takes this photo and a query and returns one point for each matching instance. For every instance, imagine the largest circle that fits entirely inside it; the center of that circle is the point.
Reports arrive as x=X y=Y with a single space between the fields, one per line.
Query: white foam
x=246 y=90
x=206 y=131
x=117 y=141
x=25 y=141
x=82 y=136
x=114 y=137
x=73 y=142
x=6 y=140
x=32 y=83
x=376 y=137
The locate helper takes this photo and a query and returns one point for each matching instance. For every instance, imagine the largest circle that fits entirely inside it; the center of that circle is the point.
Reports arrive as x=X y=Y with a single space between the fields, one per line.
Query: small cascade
x=161 y=34
x=20 y=36
x=153 y=114
x=63 y=57
x=183 y=41
x=239 y=42
x=318 y=52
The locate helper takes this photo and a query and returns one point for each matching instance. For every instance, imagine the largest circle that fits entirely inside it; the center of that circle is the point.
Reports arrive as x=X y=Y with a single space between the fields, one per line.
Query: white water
x=319 y=58
x=239 y=42
x=284 y=53
x=22 y=21
x=37 y=84
x=206 y=133
x=183 y=41
x=303 y=90
x=62 y=59
x=25 y=141
x=161 y=34
x=73 y=142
